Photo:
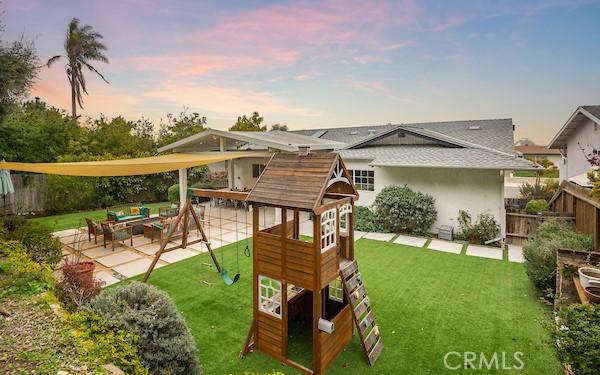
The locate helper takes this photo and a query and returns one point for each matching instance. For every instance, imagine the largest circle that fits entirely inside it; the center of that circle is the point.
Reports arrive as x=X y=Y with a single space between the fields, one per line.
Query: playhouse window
x=328 y=223
x=336 y=291
x=257 y=170
x=363 y=179
x=345 y=211
x=269 y=296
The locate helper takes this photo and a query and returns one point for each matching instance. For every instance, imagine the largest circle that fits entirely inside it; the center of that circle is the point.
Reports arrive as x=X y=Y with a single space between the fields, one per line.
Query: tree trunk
x=73 y=98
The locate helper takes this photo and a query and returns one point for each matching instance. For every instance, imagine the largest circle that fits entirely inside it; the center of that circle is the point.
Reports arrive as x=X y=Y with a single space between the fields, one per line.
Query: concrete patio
x=126 y=261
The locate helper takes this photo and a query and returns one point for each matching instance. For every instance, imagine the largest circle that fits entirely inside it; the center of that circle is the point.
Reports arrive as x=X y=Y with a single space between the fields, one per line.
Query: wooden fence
x=27 y=198
x=521 y=226
x=575 y=200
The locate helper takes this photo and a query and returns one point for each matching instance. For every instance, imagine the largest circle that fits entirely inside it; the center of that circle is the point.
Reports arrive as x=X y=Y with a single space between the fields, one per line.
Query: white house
x=579 y=136
x=539 y=153
x=460 y=163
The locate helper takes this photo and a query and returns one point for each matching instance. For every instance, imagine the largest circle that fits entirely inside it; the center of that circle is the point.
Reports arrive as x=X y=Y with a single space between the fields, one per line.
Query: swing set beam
x=185 y=215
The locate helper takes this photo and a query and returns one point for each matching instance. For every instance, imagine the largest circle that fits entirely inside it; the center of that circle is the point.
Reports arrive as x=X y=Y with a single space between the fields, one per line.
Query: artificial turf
x=426 y=304
x=77 y=219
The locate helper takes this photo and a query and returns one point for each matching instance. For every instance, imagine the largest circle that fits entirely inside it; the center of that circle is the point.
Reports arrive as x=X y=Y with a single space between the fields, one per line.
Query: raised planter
x=589 y=276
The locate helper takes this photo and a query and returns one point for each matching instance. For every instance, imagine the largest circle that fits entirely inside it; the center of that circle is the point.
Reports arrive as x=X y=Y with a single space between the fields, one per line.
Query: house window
x=269 y=296
x=345 y=212
x=363 y=179
x=257 y=170
x=336 y=291
x=328 y=227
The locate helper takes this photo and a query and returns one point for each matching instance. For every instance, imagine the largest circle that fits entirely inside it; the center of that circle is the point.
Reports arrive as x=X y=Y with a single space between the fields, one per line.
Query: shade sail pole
x=182 y=186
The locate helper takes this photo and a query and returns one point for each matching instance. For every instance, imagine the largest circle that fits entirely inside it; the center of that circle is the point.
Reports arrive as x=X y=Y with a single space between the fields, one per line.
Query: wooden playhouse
x=313 y=279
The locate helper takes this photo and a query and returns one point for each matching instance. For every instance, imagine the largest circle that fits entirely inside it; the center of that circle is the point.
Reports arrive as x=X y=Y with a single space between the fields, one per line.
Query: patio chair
x=170 y=211
x=93 y=229
x=115 y=233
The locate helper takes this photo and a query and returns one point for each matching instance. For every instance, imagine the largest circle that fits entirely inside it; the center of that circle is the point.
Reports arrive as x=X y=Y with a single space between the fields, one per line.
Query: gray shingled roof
x=593 y=109
x=482 y=144
x=440 y=157
x=496 y=134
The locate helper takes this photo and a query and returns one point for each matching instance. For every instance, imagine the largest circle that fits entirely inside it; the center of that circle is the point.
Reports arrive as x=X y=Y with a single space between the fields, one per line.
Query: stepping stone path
x=358 y=235
x=485 y=252
x=379 y=236
x=445 y=246
x=515 y=254
x=410 y=241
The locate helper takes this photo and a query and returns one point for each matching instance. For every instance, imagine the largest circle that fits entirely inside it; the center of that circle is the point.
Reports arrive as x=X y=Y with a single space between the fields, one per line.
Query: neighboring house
x=539 y=153
x=579 y=135
x=460 y=163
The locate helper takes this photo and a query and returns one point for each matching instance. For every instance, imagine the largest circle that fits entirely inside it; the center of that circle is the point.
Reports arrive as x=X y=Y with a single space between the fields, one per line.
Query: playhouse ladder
x=361 y=310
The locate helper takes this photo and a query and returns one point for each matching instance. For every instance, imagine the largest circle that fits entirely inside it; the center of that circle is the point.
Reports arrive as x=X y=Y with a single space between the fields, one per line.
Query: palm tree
x=82 y=46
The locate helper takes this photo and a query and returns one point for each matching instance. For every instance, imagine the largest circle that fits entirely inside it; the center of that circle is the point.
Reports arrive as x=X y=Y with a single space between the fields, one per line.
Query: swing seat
x=226 y=279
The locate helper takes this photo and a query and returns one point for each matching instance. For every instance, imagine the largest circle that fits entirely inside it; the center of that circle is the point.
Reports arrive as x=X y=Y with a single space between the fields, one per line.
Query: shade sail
x=128 y=167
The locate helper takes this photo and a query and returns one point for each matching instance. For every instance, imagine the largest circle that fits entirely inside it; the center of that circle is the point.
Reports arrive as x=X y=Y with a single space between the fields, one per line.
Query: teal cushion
x=144 y=211
x=158 y=225
x=129 y=217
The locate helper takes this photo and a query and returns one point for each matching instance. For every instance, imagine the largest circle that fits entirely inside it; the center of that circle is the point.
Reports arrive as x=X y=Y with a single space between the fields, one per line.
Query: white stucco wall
x=242 y=170
x=587 y=133
x=478 y=191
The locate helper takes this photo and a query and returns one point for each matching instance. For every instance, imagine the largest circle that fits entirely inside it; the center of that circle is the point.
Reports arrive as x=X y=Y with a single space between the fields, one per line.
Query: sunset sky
x=328 y=63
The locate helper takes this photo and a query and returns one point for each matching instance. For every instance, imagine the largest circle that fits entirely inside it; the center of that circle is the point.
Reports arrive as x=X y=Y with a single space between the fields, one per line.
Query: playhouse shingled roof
x=294 y=181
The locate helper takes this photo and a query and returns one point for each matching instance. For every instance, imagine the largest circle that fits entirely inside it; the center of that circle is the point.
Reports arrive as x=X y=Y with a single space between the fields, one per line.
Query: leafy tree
x=180 y=127
x=249 y=124
x=82 y=46
x=37 y=133
x=120 y=137
x=282 y=127
x=18 y=69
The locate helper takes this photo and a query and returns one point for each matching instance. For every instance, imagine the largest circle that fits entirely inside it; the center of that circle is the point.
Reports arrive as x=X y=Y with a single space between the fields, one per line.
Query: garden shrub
x=538 y=190
x=540 y=252
x=173 y=193
x=537 y=205
x=105 y=342
x=484 y=229
x=20 y=275
x=165 y=344
x=75 y=289
x=578 y=338
x=37 y=238
x=364 y=220
x=400 y=209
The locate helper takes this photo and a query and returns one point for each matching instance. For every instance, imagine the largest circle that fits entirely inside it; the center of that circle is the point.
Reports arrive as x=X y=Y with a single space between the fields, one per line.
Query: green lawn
x=426 y=304
x=549 y=174
x=76 y=219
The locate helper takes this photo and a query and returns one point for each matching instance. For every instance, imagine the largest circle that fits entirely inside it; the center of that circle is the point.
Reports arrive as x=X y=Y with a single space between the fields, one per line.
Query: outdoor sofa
x=127 y=212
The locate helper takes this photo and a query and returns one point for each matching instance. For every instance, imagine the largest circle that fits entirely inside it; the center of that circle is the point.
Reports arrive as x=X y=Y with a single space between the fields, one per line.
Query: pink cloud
x=296 y=28
x=303 y=77
x=225 y=100
x=368 y=59
x=53 y=87
x=364 y=85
